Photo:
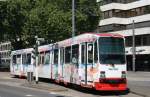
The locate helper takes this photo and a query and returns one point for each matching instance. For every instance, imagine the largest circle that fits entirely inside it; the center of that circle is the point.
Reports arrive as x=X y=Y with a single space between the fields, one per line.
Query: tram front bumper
x=111 y=85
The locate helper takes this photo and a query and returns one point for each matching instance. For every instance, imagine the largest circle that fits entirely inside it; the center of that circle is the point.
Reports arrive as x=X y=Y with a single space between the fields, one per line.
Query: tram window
x=90 y=53
x=67 y=54
x=56 y=56
x=18 y=61
x=75 y=54
x=83 y=54
x=62 y=55
x=14 y=59
x=41 y=58
x=28 y=59
x=95 y=52
x=47 y=57
x=24 y=59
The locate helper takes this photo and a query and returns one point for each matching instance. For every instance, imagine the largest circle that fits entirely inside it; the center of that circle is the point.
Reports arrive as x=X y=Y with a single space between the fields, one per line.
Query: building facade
x=118 y=17
x=5 y=51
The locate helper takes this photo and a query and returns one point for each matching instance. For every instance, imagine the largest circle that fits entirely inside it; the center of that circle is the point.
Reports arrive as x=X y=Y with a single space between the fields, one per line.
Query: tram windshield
x=112 y=50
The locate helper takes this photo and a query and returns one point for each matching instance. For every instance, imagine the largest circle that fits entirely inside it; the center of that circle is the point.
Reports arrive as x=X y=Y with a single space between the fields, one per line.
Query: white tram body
x=91 y=60
x=21 y=62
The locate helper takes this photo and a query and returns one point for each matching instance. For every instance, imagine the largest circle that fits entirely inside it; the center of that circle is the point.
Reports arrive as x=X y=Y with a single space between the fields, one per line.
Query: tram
x=21 y=61
x=92 y=60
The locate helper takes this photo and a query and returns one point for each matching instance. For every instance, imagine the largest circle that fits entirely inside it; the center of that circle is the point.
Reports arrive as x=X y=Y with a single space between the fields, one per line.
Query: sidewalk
x=139 y=83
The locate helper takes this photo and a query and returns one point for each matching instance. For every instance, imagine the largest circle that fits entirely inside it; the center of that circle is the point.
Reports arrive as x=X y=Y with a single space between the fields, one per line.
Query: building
x=118 y=16
x=5 y=50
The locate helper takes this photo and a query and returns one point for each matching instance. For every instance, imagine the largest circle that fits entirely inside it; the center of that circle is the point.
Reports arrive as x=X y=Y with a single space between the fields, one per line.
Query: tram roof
x=86 y=37
x=45 y=48
x=109 y=35
x=21 y=51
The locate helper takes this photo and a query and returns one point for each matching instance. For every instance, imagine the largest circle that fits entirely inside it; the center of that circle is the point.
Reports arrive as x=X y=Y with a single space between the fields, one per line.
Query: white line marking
x=28 y=95
x=52 y=93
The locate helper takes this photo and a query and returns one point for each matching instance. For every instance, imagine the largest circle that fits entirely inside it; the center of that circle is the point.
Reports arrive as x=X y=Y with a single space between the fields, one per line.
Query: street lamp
x=133 y=47
x=73 y=25
x=73 y=19
x=38 y=40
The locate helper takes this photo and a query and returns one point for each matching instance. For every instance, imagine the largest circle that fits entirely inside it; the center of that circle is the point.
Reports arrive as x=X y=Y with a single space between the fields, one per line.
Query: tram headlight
x=123 y=74
x=102 y=74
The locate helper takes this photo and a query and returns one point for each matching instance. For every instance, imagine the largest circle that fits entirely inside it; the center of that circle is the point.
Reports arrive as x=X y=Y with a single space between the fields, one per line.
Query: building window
x=140 y=40
x=147 y=9
x=128 y=13
x=112 y=27
x=146 y=40
x=128 y=41
x=117 y=1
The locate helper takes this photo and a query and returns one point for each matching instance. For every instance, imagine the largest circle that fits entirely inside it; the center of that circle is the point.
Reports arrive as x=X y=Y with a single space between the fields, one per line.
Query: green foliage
x=3 y=14
x=49 y=19
x=17 y=11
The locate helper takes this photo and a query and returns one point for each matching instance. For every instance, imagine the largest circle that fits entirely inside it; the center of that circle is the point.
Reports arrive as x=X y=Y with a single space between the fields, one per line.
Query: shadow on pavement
x=87 y=90
x=95 y=92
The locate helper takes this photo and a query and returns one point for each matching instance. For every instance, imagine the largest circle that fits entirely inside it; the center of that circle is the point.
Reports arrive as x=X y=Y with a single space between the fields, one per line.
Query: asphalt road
x=10 y=91
x=13 y=87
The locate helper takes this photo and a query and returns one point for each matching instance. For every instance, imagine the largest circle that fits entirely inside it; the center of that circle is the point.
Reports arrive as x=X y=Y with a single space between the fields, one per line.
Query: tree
x=49 y=19
x=88 y=15
x=3 y=14
x=17 y=11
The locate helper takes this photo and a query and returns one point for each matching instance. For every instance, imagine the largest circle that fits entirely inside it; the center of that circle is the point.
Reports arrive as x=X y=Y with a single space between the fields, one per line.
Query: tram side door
x=90 y=62
x=83 y=65
x=51 y=63
x=87 y=62
x=61 y=63
x=55 y=64
x=74 y=64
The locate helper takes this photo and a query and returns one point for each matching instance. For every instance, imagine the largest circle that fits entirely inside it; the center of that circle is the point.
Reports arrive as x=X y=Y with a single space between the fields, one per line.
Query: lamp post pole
x=73 y=18
x=73 y=27
x=73 y=24
x=133 y=47
x=38 y=40
x=36 y=60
